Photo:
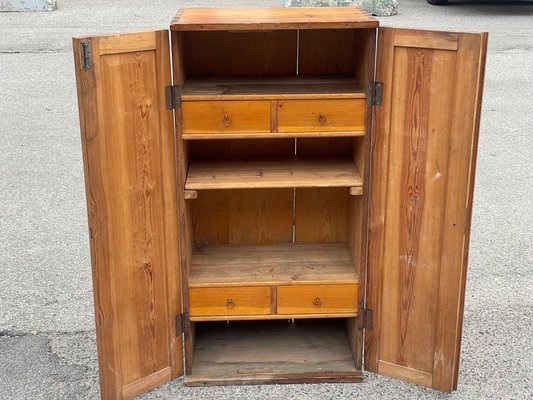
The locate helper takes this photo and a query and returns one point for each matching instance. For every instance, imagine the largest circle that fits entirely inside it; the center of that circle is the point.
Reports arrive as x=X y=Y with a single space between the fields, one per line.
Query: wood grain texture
x=326 y=52
x=304 y=351
x=225 y=116
x=274 y=317
x=272 y=264
x=419 y=209
x=217 y=19
x=242 y=217
x=321 y=115
x=229 y=300
x=321 y=215
x=146 y=384
x=240 y=54
x=260 y=88
x=317 y=299
x=272 y=174
x=125 y=130
x=270 y=135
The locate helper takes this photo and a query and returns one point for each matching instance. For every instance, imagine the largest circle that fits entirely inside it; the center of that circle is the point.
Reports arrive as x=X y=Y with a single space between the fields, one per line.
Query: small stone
x=380 y=8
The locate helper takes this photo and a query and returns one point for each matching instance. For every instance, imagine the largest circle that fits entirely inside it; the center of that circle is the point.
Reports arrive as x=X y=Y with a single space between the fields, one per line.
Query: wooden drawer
x=321 y=115
x=317 y=299
x=229 y=301
x=225 y=116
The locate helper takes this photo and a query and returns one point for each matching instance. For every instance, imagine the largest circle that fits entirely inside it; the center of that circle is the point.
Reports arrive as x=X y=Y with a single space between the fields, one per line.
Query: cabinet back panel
x=240 y=53
x=321 y=215
x=326 y=52
x=238 y=148
x=243 y=216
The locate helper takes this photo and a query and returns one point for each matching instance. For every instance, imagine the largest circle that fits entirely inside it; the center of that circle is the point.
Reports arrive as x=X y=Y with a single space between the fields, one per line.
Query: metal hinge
x=86 y=56
x=173 y=97
x=183 y=324
x=365 y=318
x=374 y=93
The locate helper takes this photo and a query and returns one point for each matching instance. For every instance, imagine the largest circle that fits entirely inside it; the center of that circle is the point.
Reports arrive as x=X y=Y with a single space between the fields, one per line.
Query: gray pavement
x=47 y=340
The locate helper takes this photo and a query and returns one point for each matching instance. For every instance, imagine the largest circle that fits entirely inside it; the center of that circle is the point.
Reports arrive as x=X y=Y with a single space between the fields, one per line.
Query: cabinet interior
x=273 y=207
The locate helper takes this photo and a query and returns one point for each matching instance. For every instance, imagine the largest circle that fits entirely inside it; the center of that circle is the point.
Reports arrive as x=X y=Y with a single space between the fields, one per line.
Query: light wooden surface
x=127 y=140
x=272 y=174
x=242 y=216
x=270 y=352
x=271 y=18
x=295 y=87
x=229 y=300
x=225 y=116
x=272 y=264
x=317 y=299
x=426 y=130
x=269 y=135
x=273 y=317
x=321 y=215
x=321 y=115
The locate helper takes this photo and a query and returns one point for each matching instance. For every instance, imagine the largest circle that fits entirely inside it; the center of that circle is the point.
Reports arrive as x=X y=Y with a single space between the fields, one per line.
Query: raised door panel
x=130 y=174
x=423 y=163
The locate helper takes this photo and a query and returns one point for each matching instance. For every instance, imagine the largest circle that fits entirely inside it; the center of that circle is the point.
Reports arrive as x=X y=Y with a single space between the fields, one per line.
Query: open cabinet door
x=130 y=175
x=423 y=164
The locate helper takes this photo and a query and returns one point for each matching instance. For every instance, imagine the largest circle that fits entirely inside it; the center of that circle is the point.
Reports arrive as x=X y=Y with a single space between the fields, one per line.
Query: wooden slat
x=274 y=317
x=271 y=264
x=269 y=88
x=127 y=43
x=271 y=18
x=426 y=39
x=272 y=174
x=145 y=384
x=405 y=373
x=270 y=135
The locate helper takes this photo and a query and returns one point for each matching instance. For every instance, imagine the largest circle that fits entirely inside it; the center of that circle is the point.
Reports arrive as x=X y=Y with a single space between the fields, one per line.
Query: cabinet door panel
x=423 y=163
x=130 y=175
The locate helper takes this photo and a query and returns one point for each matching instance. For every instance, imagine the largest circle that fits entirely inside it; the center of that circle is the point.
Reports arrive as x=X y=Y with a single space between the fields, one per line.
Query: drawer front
x=317 y=299
x=225 y=116
x=229 y=301
x=321 y=115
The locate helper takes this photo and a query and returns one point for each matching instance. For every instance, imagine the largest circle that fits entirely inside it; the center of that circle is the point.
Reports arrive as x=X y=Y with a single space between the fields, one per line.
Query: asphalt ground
x=47 y=339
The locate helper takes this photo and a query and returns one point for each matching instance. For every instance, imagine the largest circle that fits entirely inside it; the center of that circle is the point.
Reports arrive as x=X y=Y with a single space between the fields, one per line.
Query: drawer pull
x=317 y=301
x=322 y=119
x=230 y=304
x=227 y=120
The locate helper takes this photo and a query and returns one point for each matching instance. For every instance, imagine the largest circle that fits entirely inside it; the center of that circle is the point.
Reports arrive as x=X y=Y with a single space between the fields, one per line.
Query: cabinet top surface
x=200 y=19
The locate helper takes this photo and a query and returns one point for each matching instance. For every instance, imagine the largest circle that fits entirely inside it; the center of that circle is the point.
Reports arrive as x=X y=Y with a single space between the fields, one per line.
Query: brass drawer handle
x=230 y=304
x=227 y=120
x=322 y=119
x=317 y=301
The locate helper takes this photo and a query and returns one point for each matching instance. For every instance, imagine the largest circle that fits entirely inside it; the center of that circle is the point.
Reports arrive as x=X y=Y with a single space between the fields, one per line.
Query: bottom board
x=255 y=352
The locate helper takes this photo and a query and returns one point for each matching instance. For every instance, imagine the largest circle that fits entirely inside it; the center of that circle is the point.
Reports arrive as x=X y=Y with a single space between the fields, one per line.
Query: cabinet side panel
x=132 y=213
x=427 y=127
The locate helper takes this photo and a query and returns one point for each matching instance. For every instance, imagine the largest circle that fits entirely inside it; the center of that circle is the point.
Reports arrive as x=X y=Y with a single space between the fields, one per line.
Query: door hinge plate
x=183 y=324
x=173 y=97
x=86 y=56
x=365 y=318
x=374 y=94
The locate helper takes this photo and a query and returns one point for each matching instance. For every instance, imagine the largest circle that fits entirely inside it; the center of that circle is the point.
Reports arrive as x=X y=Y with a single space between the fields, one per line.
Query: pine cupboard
x=270 y=191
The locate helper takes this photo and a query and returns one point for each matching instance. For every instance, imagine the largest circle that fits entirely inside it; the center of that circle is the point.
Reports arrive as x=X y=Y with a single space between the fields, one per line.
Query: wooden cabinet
x=298 y=180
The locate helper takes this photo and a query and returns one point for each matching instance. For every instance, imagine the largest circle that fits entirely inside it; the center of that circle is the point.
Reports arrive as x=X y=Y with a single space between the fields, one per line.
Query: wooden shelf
x=272 y=174
x=271 y=88
x=272 y=264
